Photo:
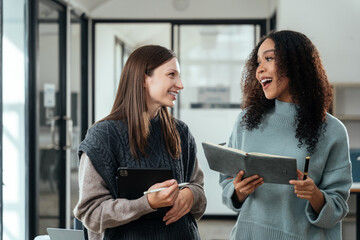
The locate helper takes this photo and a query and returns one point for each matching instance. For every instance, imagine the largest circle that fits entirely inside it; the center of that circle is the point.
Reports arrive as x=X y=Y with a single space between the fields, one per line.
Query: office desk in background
x=355 y=189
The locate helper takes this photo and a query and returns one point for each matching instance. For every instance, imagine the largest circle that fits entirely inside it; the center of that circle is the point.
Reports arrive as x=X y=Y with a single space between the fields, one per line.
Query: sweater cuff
x=324 y=217
x=235 y=205
x=194 y=192
x=142 y=206
x=235 y=201
x=146 y=204
x=199 y=205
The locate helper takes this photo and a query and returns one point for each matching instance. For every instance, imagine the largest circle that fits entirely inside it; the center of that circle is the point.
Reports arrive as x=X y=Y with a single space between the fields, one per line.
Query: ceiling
x=87 y=5
x=140 y=34
x=176 y=9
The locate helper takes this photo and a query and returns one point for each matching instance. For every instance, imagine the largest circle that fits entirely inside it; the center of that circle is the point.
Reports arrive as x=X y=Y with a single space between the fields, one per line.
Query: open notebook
x=229 y=161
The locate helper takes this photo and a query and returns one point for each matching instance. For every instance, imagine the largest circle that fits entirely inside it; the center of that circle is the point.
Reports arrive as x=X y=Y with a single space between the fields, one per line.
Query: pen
x=306 y=167
x=159 y=189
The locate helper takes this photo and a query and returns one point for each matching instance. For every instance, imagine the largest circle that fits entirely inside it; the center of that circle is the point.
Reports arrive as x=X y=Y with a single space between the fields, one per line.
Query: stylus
x=160 y=189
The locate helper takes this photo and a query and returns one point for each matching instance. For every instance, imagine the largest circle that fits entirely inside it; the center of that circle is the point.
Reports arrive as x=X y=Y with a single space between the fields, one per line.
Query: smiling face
x=273 y=86
x=163 y=86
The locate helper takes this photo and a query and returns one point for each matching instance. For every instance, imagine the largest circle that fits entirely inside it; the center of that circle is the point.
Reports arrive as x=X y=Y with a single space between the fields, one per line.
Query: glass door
x=51 y=116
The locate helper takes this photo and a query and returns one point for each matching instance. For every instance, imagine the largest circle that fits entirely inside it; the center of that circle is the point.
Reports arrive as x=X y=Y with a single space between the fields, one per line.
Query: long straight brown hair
x=130 y=101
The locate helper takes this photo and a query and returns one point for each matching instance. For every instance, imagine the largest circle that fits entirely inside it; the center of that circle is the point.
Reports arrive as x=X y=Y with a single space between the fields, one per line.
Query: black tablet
x=133 y=182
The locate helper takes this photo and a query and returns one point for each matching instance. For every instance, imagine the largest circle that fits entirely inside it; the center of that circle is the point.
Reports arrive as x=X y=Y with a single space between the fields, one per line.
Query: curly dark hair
x=296 y=58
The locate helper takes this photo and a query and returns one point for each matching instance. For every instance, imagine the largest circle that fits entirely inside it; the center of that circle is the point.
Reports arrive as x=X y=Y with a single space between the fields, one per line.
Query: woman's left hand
x=307 y=189
x=182 y=206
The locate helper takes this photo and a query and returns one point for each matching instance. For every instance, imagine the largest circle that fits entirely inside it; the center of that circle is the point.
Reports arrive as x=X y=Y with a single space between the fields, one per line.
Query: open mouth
x=173 y=93
x=266 y=81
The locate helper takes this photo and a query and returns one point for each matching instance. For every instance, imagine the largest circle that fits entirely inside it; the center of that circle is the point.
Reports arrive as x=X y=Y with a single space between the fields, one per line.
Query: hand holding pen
x=160 y=189
x=305 y=188
x=164 y=197
x=304 y=185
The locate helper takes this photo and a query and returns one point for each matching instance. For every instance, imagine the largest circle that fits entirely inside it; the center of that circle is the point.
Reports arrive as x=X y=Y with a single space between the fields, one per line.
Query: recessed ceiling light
x=181 y=5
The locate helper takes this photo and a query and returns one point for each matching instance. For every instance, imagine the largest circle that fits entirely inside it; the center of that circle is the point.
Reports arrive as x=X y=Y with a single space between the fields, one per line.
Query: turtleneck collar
x=285 y=108
x=283 y=114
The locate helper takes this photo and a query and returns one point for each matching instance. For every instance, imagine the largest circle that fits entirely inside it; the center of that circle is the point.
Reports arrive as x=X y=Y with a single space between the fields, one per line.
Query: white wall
x=333 y=26
x=13 y=120
x=104 y=73
x=105 y=80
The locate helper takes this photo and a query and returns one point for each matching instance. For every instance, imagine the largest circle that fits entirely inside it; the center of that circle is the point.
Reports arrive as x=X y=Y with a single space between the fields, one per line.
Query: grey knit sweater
x=273 y=211
x=107 y=146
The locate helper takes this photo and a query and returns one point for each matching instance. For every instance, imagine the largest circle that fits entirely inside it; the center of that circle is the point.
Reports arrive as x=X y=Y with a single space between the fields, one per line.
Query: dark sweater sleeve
x=97 y=209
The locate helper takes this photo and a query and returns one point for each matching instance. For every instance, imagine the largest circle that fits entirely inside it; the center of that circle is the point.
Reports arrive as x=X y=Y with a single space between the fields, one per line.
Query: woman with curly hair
x=286 y=95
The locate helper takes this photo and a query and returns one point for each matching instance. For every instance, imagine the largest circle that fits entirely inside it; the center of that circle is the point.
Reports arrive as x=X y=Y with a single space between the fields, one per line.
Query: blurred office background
x=61 y=62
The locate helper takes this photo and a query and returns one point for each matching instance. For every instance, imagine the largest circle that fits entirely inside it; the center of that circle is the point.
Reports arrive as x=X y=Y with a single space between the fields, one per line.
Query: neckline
x=156 y=119
x=285 y=108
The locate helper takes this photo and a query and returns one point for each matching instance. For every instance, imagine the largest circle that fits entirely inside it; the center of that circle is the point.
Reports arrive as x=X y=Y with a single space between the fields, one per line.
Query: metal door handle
x=69 y=132
x=53 y=144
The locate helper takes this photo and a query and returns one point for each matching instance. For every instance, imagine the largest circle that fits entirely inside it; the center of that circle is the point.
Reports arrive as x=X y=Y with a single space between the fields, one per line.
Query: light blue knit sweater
x=273 y=211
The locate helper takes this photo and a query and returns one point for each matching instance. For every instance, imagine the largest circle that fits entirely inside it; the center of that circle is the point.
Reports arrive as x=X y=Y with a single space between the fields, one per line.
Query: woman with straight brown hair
x=140 y=132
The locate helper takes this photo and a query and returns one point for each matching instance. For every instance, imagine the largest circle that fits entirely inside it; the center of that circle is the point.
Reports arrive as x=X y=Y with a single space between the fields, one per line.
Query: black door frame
x=30 y=125
x=31 y=110
x=84 y=21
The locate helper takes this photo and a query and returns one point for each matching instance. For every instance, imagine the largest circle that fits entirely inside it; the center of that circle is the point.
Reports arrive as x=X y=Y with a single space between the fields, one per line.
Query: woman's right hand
x=244 y=187
x=166 y=197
